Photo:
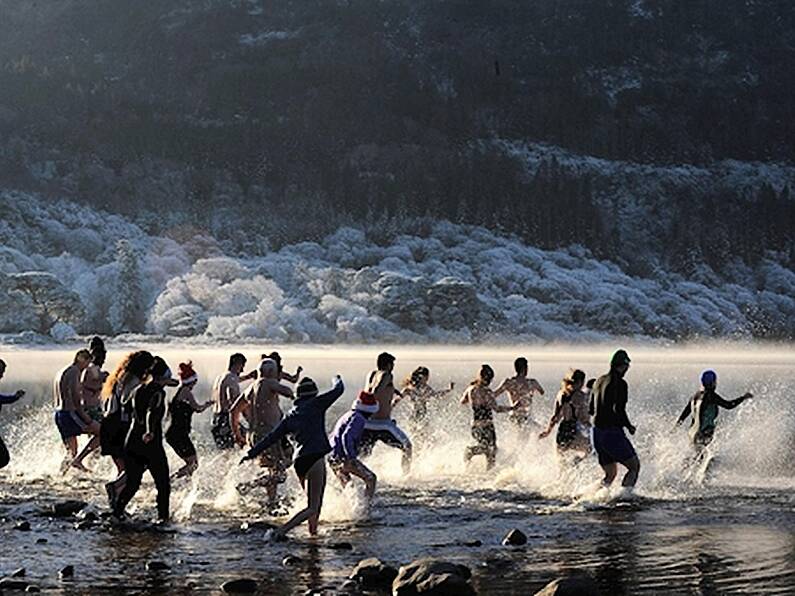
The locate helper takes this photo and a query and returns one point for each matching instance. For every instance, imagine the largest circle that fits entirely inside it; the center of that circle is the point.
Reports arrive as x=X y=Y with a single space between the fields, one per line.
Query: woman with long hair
x=571 y=415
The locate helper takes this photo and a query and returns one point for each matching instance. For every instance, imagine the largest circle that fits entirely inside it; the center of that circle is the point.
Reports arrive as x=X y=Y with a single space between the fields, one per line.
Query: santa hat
x=186 y=373
x=366 y=403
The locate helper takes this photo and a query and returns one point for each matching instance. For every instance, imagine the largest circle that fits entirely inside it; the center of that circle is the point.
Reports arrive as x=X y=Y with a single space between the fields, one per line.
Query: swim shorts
x=69 y=424
x=612 y=445
x=386 y=431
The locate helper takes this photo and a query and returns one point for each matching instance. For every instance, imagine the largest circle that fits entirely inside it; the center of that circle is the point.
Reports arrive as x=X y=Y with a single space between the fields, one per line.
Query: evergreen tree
x=127 y=311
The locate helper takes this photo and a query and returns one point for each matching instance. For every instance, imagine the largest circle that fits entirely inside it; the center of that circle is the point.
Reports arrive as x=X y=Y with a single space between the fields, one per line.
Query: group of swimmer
x=123 y=412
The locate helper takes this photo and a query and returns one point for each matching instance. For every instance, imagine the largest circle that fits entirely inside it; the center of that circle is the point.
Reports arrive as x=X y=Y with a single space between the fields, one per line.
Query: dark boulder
x=239 y=586
x=429 y=576
x=372 y=573
x=66 y=572
x=578 y=584
x=514 y=538
x=157 y=566
x=65 y=508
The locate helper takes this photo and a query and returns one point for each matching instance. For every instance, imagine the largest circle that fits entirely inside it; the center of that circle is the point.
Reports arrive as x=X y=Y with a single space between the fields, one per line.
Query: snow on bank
x=450 y=283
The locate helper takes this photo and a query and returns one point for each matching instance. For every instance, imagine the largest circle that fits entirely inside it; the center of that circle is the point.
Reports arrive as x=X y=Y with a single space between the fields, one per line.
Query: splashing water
x=682 y=529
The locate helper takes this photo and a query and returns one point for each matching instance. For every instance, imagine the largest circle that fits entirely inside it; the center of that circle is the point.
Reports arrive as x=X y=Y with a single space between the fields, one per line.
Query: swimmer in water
x=419 y=394
x=91 y=384
x=608 y=408
x=180 y=411
x=703 y=410
x=4 y=400
x=226 y=390
x=306 y=423
x=520 y=391
x=483 y=402
x=345 y=440
x=571 y=413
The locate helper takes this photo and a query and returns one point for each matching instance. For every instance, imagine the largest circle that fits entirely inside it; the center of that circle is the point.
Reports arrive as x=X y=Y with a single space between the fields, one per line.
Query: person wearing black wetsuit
x=143 y=449
x=5 y=458
x=306 y=422
x=608 y=408
x=180 y=412
x=704 y=409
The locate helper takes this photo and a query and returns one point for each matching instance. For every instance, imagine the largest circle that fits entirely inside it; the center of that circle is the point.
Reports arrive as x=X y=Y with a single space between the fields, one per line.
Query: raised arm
x=327 y=399
x=503 y=387
x=292 y=378
x=536 y=386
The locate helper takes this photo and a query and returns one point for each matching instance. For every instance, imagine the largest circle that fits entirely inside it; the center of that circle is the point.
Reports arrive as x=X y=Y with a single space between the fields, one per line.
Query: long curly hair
x=416 y=377
x=134 y=363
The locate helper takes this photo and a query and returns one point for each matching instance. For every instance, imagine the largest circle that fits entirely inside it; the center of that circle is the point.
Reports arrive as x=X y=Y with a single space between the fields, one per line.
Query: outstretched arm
x=556 y=416
x=10 y=399
x=292 y=378
x=732 y=403
x=536 y=386
x=327 y=399
x=269 y=440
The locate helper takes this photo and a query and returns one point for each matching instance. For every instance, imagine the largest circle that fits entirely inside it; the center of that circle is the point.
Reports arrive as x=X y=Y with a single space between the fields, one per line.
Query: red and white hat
x=366 y=403
x=186 y=373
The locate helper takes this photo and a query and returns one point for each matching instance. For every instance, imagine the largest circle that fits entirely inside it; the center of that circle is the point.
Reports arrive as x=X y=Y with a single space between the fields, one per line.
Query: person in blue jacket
x=6 y=399
x=346 y=439
x=306 y=423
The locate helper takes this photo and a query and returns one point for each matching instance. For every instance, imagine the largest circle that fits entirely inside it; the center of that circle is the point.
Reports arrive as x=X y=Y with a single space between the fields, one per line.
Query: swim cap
x=708 y=377
x=619 y=358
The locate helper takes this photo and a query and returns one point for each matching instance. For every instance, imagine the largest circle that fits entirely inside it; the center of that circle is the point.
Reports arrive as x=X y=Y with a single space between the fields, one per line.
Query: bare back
x=381 y=384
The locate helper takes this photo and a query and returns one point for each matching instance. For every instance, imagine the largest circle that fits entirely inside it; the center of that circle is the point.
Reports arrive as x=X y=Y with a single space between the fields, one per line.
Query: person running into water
x=381 y=426
x=484 y=403
x=6 y=399
x=283 y=375
x=259 y=404
x=703 y=407
x=345 y=440
x=608 y=408
x=306 y=423
x=70 y=418
x=226 y=390
x=571 y=413
x=180 y=410
x=520 y=391
x=419 y=393
x=143 y=448
x=116 y=422
x=91 y=382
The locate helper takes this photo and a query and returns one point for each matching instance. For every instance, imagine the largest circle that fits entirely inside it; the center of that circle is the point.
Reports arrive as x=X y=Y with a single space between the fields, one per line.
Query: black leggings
x=4 y=457
x=136 y=462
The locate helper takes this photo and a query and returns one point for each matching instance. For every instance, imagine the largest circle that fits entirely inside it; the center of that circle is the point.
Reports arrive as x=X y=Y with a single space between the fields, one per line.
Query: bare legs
x=191 y=463
x=630 y=478
x=353 y=467
x=314 y=483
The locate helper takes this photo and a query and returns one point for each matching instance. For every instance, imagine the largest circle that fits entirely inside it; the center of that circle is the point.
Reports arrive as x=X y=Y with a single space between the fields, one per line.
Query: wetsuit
x=704 y=407
x=149 y=407
x=484 y=434
x=4 y=456
x=567 y=428
x=306 y=422
x=178 y=432
x=608 y=408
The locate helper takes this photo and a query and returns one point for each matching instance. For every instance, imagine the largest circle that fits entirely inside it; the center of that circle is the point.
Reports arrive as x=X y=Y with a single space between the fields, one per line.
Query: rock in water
x=340 y=546
x=258 y=525
x=8 y=583
x=291 y=560
x=41 y=541
x=514 y=538
x=68 y=571
x=66 y=508
x=429 y=576
x=372 y=573
x=239 y=586
x=579 y=584
x=18 y=572
x=157 y=566
x=31 y=589
x=23 y=526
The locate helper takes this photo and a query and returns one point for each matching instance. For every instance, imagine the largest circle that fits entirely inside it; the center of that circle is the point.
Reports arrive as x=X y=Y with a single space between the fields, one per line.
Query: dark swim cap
x=619 y=358
x=708 y=377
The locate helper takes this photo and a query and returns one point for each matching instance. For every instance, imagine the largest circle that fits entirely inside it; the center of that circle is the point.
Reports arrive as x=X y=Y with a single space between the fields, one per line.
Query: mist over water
x=729 y=530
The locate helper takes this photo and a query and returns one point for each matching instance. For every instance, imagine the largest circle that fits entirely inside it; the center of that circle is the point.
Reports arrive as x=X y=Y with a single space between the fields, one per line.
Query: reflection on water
x=729 y=533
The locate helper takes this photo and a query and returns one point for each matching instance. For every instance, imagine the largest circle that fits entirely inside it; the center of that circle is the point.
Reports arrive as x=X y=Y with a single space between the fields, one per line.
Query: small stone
x=430 y=576
x=88 y=515
x=8 y=583
x=23 y=526
x=18 y=572
x=291 y=560
x=514 y=538
x=84 y=525
x=31 y=589
x=340 y=546
x=472 y=543
x=258 y=525
x=157 y=566
x=68 y=571
x=66 y=508
x=577 y=584
x=41 y=541
x=349 y=587
x=239 y=586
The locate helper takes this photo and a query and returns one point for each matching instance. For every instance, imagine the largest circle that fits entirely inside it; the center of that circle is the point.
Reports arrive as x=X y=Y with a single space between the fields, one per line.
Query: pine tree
x=127 y=311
